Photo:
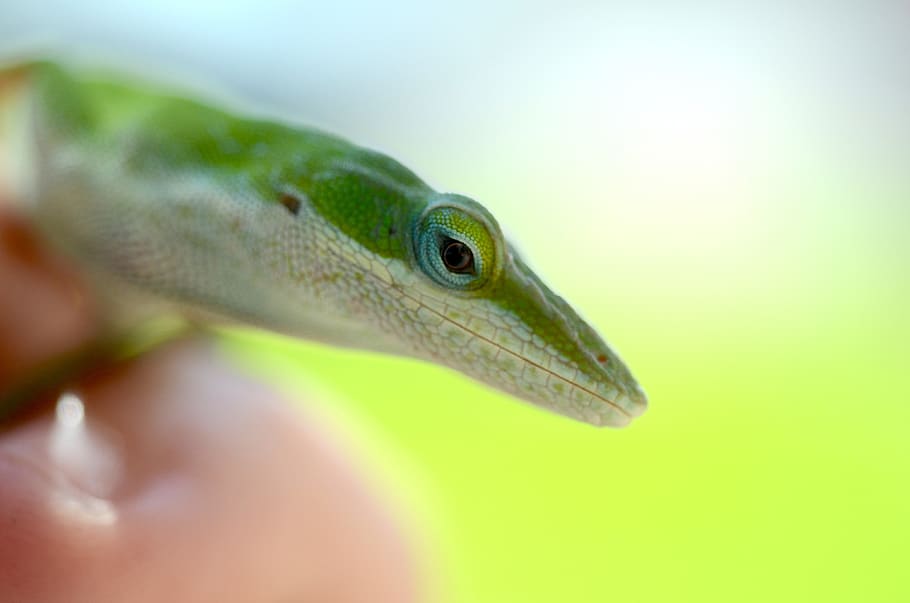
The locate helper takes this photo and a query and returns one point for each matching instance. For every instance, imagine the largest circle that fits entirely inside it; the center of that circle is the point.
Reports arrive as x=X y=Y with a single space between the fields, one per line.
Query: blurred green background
x=724 y=191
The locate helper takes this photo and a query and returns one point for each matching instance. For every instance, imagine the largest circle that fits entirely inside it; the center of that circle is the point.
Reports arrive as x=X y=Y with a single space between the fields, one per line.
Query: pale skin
x=222 y=477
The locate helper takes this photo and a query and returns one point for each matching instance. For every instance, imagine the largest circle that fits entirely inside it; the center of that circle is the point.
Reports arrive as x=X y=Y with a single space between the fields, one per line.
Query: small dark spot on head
x=393 y=231
x=290 y=202
x=602 y=358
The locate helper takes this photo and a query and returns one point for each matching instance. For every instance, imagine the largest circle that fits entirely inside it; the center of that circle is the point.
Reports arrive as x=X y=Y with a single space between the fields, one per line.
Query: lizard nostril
x=602 y=358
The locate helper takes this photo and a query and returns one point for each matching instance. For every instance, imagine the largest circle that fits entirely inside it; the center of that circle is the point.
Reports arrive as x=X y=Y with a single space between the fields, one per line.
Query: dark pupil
x=457 y=257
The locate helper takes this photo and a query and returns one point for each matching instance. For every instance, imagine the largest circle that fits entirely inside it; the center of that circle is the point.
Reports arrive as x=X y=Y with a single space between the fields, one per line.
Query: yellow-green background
x=724 y=191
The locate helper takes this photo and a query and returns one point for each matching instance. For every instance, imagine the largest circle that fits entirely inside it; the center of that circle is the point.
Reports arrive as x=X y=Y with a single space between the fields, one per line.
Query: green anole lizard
x=170 y=205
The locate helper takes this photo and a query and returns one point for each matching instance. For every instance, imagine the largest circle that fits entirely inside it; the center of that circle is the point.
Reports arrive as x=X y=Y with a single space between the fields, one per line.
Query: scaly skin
x=298 y=231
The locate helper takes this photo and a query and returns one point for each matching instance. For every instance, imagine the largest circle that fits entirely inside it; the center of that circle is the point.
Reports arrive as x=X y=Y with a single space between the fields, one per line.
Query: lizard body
x=172 y=205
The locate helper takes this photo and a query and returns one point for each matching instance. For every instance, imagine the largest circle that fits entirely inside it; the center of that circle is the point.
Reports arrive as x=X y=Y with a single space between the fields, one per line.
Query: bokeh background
x=723 y=188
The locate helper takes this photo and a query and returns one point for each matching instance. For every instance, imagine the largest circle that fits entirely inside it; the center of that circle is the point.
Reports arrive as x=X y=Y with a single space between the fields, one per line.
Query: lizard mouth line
x=513 y=353
x=571 y=383
x=517 y=355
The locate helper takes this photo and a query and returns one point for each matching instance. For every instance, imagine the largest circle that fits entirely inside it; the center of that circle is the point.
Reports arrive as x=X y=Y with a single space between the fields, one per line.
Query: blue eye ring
x=456 y=246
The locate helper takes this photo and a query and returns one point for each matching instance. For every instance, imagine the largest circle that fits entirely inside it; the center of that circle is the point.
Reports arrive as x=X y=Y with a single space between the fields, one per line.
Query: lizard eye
x=454 y=248
x=457 y=257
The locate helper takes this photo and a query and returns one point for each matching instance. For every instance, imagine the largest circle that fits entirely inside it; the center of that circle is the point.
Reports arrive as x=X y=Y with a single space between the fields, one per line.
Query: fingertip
x=222 y=477
x=55 y=542
x=44 y=309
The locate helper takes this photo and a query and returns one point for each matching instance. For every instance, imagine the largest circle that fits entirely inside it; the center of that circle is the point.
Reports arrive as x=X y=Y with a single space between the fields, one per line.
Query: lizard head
x=478 y=308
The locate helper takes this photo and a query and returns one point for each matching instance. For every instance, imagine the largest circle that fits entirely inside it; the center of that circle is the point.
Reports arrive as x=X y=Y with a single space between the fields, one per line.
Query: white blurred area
x=695 y=145
x=86 y=463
